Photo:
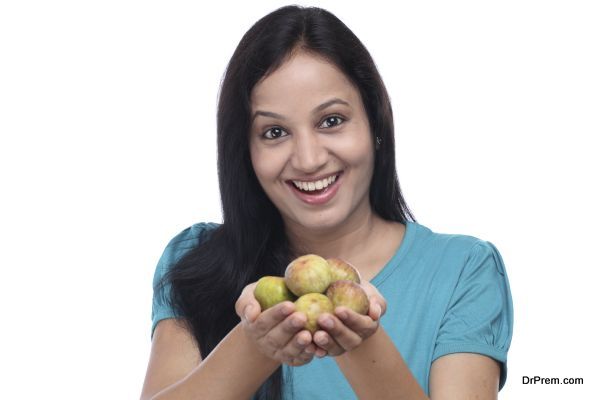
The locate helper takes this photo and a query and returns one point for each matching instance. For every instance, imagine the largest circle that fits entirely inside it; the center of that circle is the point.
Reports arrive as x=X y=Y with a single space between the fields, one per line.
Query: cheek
x=362 y=159
x=360 y=152
x=255 y=159
x=267 y=165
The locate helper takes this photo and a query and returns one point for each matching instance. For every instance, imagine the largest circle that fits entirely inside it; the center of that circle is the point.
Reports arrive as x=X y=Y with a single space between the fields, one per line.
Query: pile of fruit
x=316 y=286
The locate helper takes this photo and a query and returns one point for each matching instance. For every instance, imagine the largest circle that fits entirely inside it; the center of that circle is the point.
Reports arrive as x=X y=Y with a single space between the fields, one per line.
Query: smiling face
x=311 y=145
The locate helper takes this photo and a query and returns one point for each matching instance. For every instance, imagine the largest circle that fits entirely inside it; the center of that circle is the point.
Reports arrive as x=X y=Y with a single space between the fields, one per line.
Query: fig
x=308 y=274
x=348 y=294
x=271 y=290
x=313 y=305
x=342 y=270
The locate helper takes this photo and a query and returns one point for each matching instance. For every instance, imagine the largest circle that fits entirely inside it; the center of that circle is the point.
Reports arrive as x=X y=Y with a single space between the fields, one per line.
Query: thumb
x=251 y=312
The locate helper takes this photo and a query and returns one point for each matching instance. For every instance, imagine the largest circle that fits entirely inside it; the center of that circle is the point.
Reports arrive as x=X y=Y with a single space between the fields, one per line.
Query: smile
x=312 y=186
x=317 y=192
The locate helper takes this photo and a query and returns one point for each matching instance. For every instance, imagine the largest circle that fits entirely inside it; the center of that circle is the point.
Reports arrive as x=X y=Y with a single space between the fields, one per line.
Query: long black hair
x=251 y=242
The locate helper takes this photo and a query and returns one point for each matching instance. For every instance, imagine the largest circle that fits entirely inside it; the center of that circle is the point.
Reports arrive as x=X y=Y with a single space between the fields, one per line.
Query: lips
x=314 y=196
x=315 y=185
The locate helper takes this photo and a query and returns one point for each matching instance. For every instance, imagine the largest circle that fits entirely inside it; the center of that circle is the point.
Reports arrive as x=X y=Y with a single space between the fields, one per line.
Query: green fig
x=271 y=290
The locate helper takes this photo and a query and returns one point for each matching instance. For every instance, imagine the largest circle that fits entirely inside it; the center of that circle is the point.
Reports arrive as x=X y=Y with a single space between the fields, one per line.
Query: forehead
x=304 y=79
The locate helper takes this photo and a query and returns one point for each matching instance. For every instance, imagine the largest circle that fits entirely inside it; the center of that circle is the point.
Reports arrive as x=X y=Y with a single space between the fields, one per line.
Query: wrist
x=366 y=347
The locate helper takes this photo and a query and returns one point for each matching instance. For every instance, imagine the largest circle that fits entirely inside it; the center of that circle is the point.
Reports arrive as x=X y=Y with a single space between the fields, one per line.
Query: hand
x=346 y=329
x=278 y=331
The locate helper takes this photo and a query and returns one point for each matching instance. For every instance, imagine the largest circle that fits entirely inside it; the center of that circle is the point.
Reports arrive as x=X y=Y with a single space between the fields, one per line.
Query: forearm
x=376 y=370
x=235 y=369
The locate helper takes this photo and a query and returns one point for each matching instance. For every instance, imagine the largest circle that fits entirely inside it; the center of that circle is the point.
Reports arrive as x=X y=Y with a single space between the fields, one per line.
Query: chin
x=318 y=222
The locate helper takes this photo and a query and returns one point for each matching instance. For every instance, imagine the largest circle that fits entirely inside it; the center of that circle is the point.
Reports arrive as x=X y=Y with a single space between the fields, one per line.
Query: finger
x=381 y=303
x=293 y=324
x=311 y=348
x=375 y=311
x=369 y=288
x=280 y=338
x=375 y=297
x=296 y=346
x=270 y=318
x=361 y=325
x=320 y=352
x=251 y=312
x=296 y=362
x=327 y=344
x=307 y=355
x=283 y=334
x=340 y=333
x=246 y=298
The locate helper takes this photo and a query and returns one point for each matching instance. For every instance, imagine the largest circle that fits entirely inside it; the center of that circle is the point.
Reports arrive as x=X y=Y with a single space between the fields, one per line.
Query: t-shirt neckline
x=397 y=258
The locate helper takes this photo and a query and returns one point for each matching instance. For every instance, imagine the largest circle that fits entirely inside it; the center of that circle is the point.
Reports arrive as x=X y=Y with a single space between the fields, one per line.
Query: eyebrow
x=316 y=109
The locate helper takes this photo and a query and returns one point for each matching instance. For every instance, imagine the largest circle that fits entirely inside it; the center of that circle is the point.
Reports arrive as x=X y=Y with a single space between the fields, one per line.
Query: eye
x=274 y=133
x=331 y=121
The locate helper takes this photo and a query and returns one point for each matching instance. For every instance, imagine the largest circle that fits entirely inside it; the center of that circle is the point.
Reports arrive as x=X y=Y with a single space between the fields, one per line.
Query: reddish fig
x=348 y=294
x=308 y=274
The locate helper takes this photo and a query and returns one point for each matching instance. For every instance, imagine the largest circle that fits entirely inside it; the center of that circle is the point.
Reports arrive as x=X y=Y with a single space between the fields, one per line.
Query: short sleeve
x=479 y=316
x=161 y=307
x=175 y=250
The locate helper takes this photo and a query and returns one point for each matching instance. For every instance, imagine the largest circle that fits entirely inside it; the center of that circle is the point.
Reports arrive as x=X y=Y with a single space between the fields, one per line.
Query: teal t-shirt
x=445 y=294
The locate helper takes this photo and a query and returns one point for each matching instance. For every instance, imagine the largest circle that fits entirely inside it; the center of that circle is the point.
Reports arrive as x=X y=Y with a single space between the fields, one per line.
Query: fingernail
x=328 y=323
x=301 y=341
x=323 y=341
x=296 y=323
x=343 y=315
x=378 y=310
x=247 y=311
x=285 y=309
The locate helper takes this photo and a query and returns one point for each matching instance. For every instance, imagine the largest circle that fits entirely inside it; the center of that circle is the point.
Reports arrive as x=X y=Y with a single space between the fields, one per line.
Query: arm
x=464 y=376
x=176 y=371
x=248 y=355
x=376 y=370
x=364 y=352
x=173 y=355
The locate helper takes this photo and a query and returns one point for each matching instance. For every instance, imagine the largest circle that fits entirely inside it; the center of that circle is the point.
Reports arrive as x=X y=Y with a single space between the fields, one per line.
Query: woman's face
x=311 y=145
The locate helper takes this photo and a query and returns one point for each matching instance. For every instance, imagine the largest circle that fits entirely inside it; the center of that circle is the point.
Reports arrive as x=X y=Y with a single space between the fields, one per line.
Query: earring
x=378 y=141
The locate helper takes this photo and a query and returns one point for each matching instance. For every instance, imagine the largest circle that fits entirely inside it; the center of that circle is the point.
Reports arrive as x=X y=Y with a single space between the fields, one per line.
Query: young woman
x=306 y=165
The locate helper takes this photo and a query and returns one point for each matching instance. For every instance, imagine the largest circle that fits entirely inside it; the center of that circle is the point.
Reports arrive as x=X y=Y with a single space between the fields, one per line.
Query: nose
x=309 y=154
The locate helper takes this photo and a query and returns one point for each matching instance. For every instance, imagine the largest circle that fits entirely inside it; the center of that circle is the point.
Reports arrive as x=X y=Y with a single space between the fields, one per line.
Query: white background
x=107 y=150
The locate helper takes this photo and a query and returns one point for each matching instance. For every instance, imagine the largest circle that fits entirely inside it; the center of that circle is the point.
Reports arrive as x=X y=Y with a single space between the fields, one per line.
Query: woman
x=306 y=165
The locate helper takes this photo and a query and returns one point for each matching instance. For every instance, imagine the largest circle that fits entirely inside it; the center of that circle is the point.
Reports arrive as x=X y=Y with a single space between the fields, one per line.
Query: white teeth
x=315 y=185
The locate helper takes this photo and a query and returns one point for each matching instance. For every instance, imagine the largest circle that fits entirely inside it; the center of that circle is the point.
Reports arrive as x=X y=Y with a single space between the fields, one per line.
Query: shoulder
x=189 y=238
x=192 y=235
x=455 y=251
x=450 y=242
x=181 y=243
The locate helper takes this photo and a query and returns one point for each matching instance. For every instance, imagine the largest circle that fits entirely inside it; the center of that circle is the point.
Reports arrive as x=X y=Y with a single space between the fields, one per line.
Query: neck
x=343 y=242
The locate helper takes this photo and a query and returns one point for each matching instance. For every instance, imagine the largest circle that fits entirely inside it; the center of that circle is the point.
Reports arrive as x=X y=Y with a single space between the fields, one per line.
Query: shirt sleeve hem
x=478 y=348
x=159 y=317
